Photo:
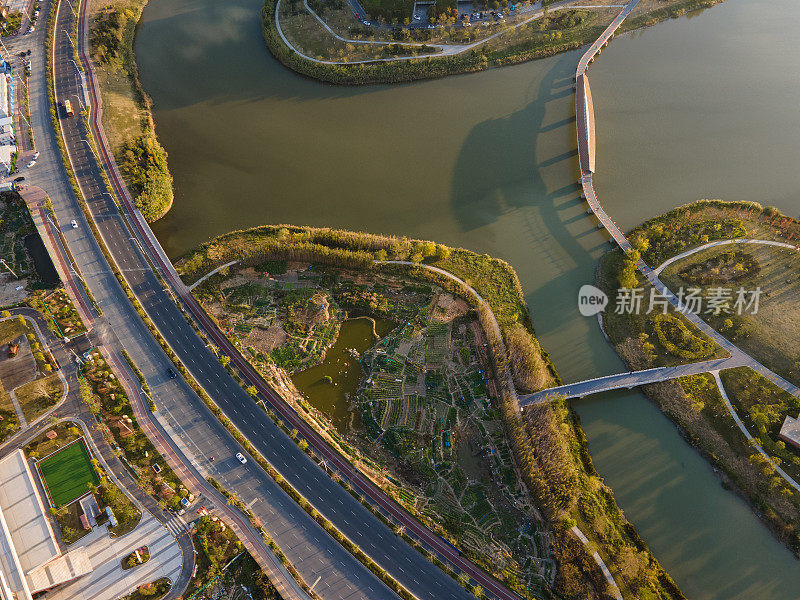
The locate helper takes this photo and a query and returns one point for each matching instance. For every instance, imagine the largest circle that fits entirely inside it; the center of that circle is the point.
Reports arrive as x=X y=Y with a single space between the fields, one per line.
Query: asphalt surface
x=73 y=408
x=308 y=546
x=191 y=428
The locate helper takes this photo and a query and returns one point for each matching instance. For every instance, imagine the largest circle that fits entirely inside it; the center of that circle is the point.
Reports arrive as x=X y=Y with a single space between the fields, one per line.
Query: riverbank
x=345 y=52
x=127 y=117
x=547 y=443
x=691 y=244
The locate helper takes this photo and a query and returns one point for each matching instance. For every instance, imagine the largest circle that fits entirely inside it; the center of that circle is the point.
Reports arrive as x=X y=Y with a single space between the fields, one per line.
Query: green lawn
x=68 y=473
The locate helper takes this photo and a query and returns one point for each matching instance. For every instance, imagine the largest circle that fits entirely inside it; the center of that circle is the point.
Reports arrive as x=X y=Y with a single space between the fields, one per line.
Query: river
x=695 y=107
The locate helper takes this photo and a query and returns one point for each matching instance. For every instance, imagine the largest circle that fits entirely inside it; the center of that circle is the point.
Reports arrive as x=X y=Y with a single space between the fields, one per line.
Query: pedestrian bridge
x=628 y=380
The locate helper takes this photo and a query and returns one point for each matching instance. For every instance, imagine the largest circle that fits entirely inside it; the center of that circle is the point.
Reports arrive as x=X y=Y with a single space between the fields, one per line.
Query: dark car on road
x=171 y=372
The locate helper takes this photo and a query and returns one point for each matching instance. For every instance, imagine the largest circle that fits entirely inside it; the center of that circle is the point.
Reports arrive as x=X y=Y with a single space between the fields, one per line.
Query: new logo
x=591 y=300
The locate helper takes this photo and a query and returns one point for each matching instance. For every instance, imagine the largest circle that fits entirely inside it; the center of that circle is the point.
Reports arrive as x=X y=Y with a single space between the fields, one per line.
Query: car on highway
x=32 y=29
x=35 y=155
x=30 y=164
x=19 y=179
x=74 y=224
x=171 y=372
x=241 y=458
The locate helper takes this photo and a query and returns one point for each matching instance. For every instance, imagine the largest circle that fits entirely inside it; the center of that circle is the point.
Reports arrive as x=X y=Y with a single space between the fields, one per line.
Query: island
x=735 y=264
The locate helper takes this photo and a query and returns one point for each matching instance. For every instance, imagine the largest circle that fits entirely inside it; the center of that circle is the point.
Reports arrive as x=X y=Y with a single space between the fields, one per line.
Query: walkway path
x=631 y=379
x=683 y=255
x=600 y=562
x=23 y=422
x=446 y=49
x=736 y=358
x=210 y=273
x=750 y=438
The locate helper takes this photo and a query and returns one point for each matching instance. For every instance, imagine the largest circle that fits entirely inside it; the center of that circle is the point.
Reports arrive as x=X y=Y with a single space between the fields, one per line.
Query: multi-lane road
x=183 y=421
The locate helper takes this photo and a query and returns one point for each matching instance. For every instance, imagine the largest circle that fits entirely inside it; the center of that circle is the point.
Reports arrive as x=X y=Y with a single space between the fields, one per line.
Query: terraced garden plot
x=437 y=343
x=386 y=386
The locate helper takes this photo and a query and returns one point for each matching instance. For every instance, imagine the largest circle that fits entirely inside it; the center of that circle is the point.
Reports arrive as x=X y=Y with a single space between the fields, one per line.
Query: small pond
x=332 y=396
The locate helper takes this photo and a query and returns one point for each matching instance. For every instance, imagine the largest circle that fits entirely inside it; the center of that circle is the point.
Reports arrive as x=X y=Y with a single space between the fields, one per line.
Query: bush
x=677 y=339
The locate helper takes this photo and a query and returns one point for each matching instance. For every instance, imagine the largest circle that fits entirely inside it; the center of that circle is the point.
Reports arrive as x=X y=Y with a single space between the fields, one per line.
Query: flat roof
x=25 y=514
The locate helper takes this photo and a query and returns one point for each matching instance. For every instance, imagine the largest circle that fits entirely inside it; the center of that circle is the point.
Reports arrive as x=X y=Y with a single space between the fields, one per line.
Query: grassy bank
x=550 y=35
x=695 y=403
x=127 y=119
x=548 y=444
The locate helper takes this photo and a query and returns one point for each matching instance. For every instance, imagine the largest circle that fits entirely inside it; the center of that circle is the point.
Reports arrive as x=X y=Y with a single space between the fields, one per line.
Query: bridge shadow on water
x=481 y=195
x=515 y=177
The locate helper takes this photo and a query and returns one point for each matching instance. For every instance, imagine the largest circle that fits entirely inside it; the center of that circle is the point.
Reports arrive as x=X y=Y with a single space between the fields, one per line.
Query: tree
x=627 y=273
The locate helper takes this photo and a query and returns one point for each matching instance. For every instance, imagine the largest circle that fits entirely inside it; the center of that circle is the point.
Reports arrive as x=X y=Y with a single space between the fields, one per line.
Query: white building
x=7 y=141
x=30 y=557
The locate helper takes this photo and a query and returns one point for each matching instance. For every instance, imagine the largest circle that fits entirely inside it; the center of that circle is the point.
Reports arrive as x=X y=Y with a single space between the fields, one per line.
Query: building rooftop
x=30 y=557
x=790 y=431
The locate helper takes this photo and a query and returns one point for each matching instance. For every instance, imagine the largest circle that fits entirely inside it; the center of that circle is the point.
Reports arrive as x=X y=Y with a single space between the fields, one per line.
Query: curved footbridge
x=630 y=380
x=584 y=113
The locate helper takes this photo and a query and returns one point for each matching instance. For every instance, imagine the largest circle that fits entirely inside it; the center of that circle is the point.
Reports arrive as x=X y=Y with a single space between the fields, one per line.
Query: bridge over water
x=587 y=150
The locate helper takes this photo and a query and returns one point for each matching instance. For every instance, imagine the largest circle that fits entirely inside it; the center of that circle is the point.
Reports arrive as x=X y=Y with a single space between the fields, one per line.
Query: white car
x=32 y=29
x=241 y=458
x=30 y=164
x=35 y=155
x=74 y=224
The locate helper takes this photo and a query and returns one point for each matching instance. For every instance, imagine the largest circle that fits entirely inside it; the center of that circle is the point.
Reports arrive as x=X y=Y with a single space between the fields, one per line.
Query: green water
x=694 y=107
x=343 y=368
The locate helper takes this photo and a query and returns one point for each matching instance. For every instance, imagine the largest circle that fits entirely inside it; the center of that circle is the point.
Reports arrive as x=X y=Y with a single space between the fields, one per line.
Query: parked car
x=32 y=29
x=74 y=224
x=241 y=458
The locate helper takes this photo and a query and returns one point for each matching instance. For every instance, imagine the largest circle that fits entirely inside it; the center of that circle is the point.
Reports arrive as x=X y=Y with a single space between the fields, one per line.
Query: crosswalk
x=176 y=527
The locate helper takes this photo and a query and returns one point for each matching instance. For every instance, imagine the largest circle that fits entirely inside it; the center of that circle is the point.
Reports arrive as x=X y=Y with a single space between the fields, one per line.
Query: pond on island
x=330 y=385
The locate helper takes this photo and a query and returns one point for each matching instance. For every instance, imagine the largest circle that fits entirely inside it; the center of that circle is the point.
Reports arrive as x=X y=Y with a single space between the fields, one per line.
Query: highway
x=183 y=420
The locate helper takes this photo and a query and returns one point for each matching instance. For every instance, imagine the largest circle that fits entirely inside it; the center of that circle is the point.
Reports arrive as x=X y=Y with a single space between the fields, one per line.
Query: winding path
x=446 y=49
